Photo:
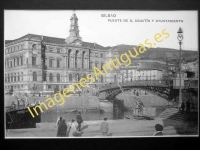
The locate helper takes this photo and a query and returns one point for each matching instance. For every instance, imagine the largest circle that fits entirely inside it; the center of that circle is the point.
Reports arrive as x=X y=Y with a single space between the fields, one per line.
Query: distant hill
x=162 y=54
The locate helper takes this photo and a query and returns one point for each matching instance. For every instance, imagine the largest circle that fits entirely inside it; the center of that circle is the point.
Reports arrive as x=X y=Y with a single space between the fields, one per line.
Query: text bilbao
x=124 y=58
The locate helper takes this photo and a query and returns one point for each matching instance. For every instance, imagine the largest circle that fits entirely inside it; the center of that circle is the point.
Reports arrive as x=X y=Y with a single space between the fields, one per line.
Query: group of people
x=73 y=130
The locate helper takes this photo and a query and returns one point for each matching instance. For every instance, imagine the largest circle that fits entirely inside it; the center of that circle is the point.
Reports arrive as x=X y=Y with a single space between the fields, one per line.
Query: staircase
x=175 y=114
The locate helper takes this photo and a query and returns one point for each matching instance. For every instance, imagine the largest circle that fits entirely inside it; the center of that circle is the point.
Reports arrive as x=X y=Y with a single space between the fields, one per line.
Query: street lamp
x=180 y=38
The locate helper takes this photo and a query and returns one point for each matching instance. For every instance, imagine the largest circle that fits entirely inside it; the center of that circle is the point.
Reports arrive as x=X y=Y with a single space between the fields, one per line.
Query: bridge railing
x=159 y=83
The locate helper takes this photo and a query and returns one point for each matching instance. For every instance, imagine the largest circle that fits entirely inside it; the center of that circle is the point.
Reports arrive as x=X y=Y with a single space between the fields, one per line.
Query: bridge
x=163 y=88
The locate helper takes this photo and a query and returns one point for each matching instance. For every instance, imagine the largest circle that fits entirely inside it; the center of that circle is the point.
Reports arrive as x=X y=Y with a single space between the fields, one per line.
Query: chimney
x=42 y=37
x=94 y=44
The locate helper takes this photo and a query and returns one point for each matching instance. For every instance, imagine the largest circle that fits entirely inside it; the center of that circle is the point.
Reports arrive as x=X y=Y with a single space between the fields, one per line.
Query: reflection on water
x=51 y=116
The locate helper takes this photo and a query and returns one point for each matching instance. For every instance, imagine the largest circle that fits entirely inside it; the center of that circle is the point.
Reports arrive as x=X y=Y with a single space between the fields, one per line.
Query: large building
x=132 y=73
x=35 y=63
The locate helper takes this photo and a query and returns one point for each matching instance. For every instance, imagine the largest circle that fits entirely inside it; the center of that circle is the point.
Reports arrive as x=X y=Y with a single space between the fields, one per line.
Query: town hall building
x=37 y=63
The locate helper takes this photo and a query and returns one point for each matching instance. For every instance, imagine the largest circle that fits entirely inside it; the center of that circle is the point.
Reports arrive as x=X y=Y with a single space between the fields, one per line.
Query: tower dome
x=74 y=32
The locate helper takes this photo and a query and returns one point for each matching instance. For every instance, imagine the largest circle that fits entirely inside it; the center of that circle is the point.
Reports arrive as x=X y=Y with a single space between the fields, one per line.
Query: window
x=70 y=77
x=18 y=77
x=8 y=77
x=69 y=58
x=83 y=57
x=58 y=62
x=58 y=50
x=7 y=63
x=51 y=49
x=50 y=77
x=11 y=77
x=21 y=61
x=101 y=78
x=33 y=61
x=115 y=78
x=101 y=66
x=14 y=77
x=17 y=61
x=10 y=63
x=101 y=55
x=49 y=86
x=14 y=63
x=50 y=62
x=96 y=64
x=34 y=76
x=76 y=59
x=58 y=77
x=96 y=54
x=22 y=76
x=90 y=65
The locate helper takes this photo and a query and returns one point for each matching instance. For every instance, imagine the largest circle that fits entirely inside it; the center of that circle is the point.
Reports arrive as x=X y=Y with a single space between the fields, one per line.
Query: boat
x=17 y=113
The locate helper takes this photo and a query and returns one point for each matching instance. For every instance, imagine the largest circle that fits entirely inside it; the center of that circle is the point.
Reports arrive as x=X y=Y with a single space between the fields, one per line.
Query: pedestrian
x=79 y=121
x=182 y=107
x=59 y=120
x=62 y=128
x=159 y=129
x=104 y=127
x=72 y=130
x=188 y=106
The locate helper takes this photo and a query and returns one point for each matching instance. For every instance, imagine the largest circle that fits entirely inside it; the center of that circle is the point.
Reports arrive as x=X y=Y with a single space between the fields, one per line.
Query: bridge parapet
x=157 y=83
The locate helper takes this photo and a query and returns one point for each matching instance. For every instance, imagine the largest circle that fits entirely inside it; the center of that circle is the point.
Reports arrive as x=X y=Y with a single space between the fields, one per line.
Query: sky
x=96 y=28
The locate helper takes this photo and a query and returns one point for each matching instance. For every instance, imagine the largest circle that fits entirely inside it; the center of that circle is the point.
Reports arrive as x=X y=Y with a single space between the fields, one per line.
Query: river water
x=51 y=116
x=149 y=100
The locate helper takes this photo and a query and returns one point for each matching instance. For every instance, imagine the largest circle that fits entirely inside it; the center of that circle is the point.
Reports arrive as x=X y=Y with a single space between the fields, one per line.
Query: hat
x=158 y=127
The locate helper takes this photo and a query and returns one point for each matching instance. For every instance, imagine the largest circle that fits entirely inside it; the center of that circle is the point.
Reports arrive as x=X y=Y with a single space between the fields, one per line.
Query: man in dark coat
x=183 y=107
x=159 y=129
x=79 y=121
x=62 y=128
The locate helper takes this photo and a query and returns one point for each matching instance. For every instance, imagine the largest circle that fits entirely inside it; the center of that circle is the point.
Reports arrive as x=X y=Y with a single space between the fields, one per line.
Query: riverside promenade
x=118 y=128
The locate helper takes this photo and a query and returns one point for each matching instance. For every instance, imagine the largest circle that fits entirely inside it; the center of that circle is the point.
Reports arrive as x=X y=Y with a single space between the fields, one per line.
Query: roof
x=141 y=69
x=56 y=40
x=93 y=45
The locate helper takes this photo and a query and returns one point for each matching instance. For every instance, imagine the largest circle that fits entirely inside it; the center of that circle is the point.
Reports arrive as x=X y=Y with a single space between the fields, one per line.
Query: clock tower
x=74 y=38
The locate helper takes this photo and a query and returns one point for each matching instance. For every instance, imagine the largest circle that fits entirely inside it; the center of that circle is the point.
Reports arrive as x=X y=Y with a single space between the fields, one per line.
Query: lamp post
x=180 y=38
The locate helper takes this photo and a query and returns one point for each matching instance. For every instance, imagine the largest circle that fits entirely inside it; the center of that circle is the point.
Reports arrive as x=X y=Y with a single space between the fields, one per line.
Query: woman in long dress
x=72 y=129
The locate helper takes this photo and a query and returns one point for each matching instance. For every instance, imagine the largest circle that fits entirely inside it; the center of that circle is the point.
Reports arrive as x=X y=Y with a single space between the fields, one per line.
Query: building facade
x=35 y=63
x=132 y=73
